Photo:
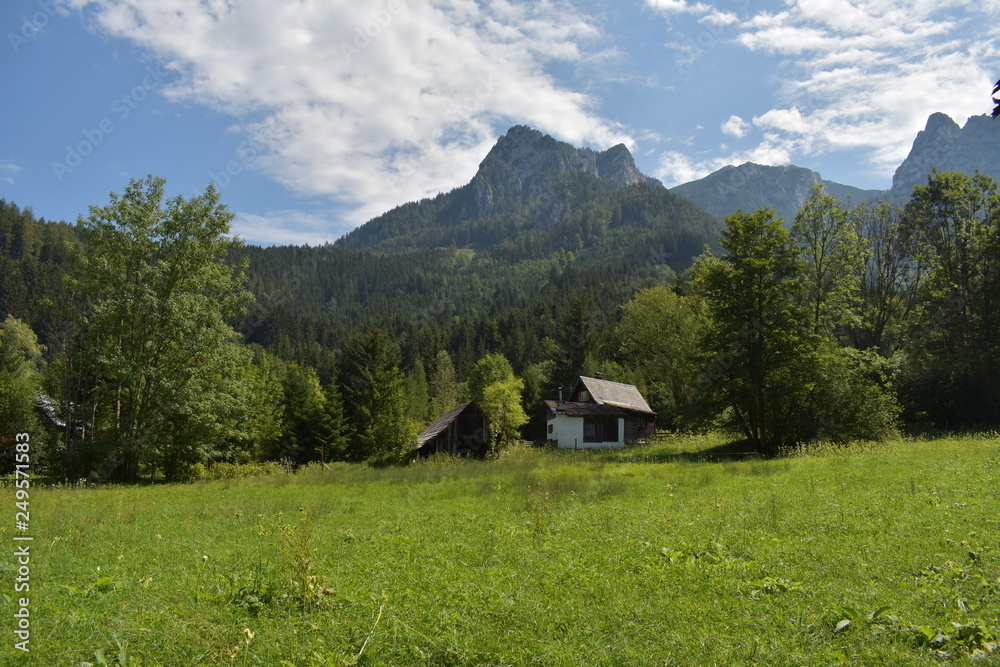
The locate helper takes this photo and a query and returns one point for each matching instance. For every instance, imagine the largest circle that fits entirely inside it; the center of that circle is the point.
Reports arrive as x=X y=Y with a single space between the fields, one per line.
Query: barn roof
x=442 y=422
x=625 y=396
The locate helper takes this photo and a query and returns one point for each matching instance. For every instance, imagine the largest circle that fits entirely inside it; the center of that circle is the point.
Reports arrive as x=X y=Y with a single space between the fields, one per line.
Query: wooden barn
x=599 y=413
x=462 y=430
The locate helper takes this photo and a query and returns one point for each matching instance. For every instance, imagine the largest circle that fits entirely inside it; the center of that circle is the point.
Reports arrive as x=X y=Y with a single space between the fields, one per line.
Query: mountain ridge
x=942 y=145
x=750 y=186
x=539 y=195
x=529 y=180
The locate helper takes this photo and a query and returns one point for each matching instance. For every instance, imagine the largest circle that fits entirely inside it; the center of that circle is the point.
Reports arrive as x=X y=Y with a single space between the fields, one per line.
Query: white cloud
x=678 y=7
x=867 y=73
x=287 y=228
x=675 y=168
x=736 y=127
x=720 y=18
x=371 y=103
x=8 y=170
x=854 y=75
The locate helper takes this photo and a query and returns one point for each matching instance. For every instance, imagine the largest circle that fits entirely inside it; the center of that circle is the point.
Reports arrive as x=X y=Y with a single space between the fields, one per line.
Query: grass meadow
x=880 y=554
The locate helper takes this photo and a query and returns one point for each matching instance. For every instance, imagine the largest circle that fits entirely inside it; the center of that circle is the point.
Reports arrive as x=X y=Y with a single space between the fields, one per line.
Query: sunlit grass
x=874 y=554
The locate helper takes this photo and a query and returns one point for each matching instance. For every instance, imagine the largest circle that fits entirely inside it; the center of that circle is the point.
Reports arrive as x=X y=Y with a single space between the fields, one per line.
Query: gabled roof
x=442 y=422
x=605 y=392
x=575 y=409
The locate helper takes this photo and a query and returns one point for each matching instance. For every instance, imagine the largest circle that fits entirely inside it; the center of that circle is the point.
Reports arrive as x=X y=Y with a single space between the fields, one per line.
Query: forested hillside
x=34 y=257
x=516 y=287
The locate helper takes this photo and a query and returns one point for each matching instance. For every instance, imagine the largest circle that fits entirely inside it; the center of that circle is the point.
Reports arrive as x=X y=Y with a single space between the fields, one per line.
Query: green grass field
x=871 y=555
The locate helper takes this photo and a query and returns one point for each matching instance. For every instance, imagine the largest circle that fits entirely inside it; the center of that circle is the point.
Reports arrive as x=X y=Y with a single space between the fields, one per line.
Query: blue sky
x=313 y=116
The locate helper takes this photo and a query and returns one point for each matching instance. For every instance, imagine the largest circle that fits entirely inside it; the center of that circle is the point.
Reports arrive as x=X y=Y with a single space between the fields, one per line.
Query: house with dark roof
x=462 y=430
x=599 y=413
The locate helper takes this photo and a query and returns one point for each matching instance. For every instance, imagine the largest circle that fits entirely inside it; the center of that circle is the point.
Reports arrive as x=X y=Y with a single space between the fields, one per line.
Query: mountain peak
x=617 y=166
x=522 y=164
x=530 y=181
x=945 y=146
x=938 y=120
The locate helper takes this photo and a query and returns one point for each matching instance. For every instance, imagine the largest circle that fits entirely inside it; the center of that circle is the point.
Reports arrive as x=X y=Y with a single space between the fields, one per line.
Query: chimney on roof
x=560 y=397
x=598 y=375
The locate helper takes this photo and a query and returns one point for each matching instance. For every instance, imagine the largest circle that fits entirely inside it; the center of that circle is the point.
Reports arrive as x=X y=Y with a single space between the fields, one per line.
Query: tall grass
x=871 y=554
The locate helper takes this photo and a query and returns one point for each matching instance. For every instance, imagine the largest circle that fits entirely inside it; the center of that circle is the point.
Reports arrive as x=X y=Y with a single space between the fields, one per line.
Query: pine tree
x=375 y=400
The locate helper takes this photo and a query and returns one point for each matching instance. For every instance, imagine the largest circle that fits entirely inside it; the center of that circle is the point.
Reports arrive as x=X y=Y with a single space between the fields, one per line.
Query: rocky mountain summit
x=534 y=157
x=527 y=179
x=942 y=144
x=523 y=163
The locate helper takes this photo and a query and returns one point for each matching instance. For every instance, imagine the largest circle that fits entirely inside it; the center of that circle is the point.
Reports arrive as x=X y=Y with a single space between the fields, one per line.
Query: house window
x=551 y=428
x=584 y=396
x=600 y=429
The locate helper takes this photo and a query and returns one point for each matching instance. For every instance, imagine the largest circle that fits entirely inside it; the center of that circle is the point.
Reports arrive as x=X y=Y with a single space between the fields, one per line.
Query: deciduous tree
x=832 y=256
x=660 y=332
x=20 y=366
x=954 y=222
x=755 y=340
x=494 y=387
x=160 y=295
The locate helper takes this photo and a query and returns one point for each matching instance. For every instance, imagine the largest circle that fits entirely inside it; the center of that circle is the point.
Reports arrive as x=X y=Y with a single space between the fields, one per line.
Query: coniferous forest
x=145 y=342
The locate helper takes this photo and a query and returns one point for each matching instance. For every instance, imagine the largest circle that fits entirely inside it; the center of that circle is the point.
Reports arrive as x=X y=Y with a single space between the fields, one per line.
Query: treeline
x=165 y=345
x=859 y=321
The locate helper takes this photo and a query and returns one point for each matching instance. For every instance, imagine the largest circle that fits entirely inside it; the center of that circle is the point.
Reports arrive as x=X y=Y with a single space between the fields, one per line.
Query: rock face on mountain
x=528 y=179
x=942 y=144
x=751 y=186
x=522 y=164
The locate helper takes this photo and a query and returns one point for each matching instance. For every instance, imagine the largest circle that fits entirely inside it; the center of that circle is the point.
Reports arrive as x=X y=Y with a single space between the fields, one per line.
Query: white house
x=599 y=414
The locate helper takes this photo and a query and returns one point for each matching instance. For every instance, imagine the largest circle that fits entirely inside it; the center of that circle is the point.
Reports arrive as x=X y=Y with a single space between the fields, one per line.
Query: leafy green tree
x=660 y=333
x=375 y=401
x=490 y=369
x=954 y=225
x=755 y=339
x=889 y=281
x=226 y=413
x=832 y=255
x=160 y=296
x=501 y=402
x=494 y=387
x=20 y=375
x=850 y=395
